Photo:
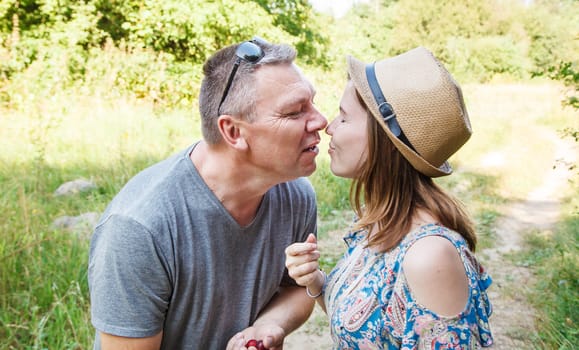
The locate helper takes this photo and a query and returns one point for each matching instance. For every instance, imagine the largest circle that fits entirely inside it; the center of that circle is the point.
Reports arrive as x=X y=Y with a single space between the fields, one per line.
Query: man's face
x=284 y=134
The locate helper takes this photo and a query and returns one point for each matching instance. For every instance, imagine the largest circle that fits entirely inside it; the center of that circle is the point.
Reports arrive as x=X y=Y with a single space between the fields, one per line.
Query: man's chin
x=310 y=171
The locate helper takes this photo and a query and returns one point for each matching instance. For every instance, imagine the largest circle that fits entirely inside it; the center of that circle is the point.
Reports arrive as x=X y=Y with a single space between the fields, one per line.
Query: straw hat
x=427 y=106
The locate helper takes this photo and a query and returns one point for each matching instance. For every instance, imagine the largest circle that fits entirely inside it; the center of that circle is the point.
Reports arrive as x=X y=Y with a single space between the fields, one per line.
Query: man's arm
x=289 y=309
x=113 y=342
x=286 y=311
x=121 y=292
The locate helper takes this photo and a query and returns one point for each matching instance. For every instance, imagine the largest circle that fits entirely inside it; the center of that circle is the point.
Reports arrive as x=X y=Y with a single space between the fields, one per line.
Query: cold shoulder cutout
x=371 y=306
x=436 y=276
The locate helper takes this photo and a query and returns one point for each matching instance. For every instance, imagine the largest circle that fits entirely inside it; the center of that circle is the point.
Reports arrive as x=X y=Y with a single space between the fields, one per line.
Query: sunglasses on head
x=248 y=51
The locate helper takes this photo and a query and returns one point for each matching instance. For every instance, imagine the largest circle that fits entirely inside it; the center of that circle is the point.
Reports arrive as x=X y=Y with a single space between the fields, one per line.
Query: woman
x=408 y=279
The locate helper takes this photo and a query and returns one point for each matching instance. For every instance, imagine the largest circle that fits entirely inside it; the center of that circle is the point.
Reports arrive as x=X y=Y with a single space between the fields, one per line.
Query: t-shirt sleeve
x=129 y=284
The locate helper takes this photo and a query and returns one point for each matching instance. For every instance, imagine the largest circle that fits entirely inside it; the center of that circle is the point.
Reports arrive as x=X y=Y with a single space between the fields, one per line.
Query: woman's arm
x=303 y=267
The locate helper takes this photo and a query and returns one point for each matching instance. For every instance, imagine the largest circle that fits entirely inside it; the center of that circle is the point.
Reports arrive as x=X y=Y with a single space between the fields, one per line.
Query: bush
x=548 y=27
x=146 y=49
x=481 y=58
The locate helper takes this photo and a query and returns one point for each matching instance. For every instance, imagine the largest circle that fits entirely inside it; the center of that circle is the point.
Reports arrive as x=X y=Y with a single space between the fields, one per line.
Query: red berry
x=258 y=344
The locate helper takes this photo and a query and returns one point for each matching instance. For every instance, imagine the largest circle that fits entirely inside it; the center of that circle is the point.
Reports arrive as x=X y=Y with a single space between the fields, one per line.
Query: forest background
x=100 y=89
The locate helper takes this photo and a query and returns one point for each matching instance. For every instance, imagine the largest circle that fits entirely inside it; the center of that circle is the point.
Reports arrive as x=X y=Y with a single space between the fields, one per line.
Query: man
x=190 y=253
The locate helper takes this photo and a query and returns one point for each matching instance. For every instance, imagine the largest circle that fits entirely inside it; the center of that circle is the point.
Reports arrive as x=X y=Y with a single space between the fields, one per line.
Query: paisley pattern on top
x=370 y=305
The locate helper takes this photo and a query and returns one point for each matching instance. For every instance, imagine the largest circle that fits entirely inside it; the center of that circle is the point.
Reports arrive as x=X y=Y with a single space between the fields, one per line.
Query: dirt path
x=513 y=318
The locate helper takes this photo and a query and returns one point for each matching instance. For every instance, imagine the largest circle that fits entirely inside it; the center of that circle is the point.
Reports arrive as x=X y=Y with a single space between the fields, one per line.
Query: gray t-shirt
x=166 y=255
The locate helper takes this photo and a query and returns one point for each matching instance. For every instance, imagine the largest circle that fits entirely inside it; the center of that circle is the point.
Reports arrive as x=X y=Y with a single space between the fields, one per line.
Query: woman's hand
x=302 y=264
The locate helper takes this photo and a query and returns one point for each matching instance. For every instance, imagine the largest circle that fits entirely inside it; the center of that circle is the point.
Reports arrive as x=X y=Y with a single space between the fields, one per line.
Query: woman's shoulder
x=436 y=276
x=433 y=230
x=430 y=252
x=433 y=257
x=443 y=283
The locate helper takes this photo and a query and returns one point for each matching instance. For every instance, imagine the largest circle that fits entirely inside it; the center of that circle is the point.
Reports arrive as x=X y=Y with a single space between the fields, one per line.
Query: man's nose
x=317 y=122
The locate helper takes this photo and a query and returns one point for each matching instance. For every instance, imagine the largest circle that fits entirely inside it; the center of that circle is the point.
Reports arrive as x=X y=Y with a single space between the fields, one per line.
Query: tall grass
x=43 y=283
x=43 y=275
x=556 y=293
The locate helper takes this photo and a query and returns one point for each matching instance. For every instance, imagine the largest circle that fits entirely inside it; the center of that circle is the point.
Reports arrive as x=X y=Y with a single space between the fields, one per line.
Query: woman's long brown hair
x=388 y=192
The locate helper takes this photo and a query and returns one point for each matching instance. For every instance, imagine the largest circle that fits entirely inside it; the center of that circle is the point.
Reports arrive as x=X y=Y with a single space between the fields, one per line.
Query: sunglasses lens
x=249 y=52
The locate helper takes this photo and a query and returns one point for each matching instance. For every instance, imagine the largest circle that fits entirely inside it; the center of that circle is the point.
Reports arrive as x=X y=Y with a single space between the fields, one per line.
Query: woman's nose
x=330 y=128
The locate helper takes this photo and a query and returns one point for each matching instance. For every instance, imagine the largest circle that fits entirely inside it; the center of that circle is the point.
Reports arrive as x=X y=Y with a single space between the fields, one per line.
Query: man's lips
x=313 y=147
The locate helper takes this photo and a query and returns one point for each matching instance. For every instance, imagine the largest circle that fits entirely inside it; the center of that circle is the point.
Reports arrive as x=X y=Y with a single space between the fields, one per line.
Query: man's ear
x=230 y=129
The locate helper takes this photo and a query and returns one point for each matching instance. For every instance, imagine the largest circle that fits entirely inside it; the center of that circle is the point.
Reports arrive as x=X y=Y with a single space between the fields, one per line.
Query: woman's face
x=349 y=143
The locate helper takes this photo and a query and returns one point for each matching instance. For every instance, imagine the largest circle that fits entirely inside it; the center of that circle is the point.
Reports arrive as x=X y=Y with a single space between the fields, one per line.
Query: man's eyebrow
x=305 y=97
x=297 y=100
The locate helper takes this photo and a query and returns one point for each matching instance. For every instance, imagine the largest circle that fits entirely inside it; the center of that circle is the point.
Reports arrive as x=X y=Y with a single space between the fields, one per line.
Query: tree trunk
x=15 y=38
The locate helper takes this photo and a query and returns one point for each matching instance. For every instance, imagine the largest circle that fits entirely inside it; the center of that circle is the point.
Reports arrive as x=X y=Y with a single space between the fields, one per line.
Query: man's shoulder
x=147 y=192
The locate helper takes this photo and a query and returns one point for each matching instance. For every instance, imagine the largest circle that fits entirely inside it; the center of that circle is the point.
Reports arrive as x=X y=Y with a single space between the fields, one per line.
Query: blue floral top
x=370 y=305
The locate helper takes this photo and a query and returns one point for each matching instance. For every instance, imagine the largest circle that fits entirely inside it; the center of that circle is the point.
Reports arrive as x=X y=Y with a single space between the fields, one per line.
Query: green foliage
x=332 y=192
x=149 y=49
x=27 y=13
x=481 y=58
x=478 y=42
x=143 y=58
x=119 y=71
x=59 y=45
x=192 y=30
x=556 y=294
x=551 y=41
x=431 y=23
x=480 y=192
x=298 y=19
x=373 y=24
x=43 y=284
x=70 y=41
x=568 y=73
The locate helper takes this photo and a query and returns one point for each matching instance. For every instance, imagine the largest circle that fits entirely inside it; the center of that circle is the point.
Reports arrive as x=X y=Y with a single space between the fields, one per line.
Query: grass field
x=48 y=140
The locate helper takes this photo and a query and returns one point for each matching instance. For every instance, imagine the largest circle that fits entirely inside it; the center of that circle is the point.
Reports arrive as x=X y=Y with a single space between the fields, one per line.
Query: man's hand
x=271 y=335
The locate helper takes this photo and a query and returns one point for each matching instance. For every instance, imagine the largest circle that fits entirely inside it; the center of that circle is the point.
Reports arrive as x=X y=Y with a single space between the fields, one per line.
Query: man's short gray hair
x=241 y=99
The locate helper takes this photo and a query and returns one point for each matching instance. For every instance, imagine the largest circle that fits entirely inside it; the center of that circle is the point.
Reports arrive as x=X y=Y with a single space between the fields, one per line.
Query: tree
x=297 y=18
